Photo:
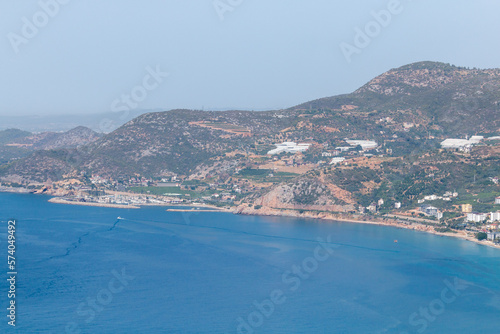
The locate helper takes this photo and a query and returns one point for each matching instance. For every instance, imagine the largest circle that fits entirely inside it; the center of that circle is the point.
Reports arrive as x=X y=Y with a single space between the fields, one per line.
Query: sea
x=103 y=270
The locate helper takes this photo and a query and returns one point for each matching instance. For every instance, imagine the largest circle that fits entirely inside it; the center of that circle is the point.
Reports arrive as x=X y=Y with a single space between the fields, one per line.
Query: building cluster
x=464 y=145
x=432 y=211
x=481 y=217
x=446 y=197
x=375 y=206
x=125 y=200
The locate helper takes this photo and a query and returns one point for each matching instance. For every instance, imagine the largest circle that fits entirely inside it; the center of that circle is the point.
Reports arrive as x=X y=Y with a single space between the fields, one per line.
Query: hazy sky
x=92 y=56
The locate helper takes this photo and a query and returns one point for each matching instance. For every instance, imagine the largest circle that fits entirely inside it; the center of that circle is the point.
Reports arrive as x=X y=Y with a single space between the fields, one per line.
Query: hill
x=450 y=100
x=407 y=110
x=16 y=144
x=11 y=135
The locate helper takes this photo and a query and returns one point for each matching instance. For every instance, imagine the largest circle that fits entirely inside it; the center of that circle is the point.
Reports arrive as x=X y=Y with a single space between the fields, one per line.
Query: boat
x=395 y=241
x=119 y=218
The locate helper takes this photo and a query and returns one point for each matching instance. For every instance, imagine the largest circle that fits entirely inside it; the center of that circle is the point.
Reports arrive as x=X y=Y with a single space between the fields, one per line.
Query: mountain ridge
x=414 y=101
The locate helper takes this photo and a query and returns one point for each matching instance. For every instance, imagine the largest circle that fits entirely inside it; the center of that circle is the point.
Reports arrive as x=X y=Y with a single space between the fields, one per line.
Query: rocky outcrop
x=303 y=194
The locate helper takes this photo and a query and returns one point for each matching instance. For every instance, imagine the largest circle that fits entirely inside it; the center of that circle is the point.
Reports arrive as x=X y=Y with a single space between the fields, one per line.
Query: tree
x=481 y=236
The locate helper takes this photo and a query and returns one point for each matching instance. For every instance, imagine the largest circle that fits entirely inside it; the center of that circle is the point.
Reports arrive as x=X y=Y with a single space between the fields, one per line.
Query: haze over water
x=167 y=272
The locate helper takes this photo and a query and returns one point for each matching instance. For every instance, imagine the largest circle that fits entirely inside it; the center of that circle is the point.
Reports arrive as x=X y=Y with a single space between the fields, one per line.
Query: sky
x=93 y=56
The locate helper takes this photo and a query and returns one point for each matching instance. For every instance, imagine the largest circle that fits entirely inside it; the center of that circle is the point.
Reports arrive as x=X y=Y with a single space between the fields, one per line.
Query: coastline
x=357 y=220
x=13 y=190
x=189 y=207
x=59 y=200
x=265 y=211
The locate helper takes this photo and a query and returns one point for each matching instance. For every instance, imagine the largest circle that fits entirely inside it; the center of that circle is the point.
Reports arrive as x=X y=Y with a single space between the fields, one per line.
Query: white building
x=477 y=217
x=497 y=200
x=461 y=143
x=495 y=216
x=365 y=144
x=455 y=143
x=397 y=205
x=431 y=198
x=337 y=161
x=492 y=236
x=372 y=208
x=476 y=139
x=289 y=147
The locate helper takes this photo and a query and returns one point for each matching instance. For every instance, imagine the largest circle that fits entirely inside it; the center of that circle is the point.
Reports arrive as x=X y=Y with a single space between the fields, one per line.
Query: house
x=380 y=202
x=326 y=154
x=372 y=208
x=476 y=217
x=466 y=208
x=397 y=205
x=497 y=200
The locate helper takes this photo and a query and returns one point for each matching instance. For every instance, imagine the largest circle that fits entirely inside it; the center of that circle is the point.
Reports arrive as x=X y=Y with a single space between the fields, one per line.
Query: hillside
x=408 y=111
x=450 y=100
x=73 y=138
x=16 y=144
x=11 y=135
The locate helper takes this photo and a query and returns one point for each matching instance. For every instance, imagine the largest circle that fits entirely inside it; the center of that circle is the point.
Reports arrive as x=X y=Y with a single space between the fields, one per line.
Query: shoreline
x=14 y=190
x=59 y=200
x=271 y=212
x=192 y=207
x=195 y=210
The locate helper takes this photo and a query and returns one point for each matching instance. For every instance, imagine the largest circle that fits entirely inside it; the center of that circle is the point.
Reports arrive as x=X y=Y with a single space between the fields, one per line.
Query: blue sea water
x=81 y=270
